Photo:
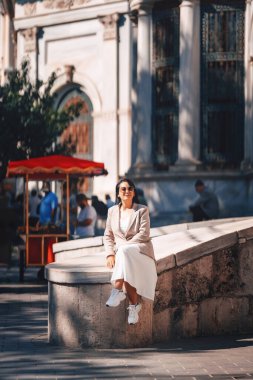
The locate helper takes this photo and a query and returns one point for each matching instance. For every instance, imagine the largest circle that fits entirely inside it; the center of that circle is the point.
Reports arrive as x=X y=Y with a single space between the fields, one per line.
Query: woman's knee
x=125 y=249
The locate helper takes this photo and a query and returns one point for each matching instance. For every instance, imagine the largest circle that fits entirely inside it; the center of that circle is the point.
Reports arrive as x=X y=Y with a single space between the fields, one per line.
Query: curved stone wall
x=204 y=287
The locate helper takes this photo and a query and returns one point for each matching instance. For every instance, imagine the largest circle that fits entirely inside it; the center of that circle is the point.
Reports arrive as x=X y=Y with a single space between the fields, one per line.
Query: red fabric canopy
x=55 y=167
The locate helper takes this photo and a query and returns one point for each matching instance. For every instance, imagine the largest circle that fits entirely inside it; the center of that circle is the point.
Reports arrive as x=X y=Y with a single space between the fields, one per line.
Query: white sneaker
x=133 y=311
x=115 y=298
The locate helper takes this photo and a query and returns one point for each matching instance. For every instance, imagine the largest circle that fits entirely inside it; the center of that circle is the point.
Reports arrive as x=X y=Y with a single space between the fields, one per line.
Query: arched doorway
x=79 y=133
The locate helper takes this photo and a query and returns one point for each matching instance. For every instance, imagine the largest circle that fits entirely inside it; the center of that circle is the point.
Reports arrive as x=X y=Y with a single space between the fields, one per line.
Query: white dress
x=135 y=268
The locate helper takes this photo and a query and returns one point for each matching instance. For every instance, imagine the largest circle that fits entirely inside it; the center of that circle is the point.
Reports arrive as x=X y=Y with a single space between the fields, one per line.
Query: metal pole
x=67 y=206
x=27 y=217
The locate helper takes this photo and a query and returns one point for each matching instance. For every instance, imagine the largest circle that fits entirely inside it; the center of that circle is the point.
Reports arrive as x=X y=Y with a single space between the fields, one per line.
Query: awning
x=55 y=167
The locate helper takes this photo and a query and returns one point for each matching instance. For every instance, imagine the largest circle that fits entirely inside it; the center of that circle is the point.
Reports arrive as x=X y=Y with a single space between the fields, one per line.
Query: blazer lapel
x=117 y=221
x=132 y=217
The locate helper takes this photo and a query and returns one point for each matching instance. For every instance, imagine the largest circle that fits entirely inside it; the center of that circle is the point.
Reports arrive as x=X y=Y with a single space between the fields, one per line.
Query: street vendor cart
x=38 y=241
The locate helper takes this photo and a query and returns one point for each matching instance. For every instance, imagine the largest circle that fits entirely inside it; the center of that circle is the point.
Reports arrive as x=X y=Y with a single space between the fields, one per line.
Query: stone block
x=63 y=316
x=78 y=317
x=161 y=326
x=183 y=321
x=163 y=291
x=246 y=268
x=225 y=316
x=166 y=263
x=192 y=282
x=246 y=233
x=226 y=279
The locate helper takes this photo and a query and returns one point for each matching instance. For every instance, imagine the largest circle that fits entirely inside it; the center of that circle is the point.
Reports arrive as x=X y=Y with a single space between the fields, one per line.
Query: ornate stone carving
x=30 y=36
x=30 y=9
x=110 y=26
x=64 y=4
x=69 y=71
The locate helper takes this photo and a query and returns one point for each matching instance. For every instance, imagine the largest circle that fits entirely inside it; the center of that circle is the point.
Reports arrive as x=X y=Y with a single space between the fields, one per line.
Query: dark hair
x=33 y=192
x=81 y=197
x=199 y=183
x=130 y=183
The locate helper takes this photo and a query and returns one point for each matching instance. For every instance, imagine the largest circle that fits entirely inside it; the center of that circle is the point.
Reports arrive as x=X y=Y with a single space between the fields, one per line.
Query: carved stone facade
x=146 y=85
x=110 y=26
x=30 y=9
x=64 y=4
x=30 y=37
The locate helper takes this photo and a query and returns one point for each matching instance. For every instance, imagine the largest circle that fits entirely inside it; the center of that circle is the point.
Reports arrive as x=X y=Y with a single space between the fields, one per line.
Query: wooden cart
x=38 y=243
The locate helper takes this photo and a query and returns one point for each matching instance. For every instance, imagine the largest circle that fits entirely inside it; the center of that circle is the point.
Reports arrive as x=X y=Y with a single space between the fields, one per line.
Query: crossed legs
x=130 y=290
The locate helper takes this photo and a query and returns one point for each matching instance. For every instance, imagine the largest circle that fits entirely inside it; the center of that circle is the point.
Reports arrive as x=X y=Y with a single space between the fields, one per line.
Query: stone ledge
x=206 y=248
x=192 y=244
x=79 y=271
x=193 y=265
x=73 y=249
x=77 y=244
x=172 y=249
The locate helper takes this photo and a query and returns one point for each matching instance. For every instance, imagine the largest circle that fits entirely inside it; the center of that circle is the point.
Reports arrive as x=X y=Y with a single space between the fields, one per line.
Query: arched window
x=80 y=131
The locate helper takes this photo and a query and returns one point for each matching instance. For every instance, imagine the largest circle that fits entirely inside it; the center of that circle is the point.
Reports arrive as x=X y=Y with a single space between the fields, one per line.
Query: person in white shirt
x=86 y=219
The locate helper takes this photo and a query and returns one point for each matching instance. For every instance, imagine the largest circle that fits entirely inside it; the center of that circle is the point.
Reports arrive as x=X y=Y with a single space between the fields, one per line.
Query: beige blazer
x=137 y=232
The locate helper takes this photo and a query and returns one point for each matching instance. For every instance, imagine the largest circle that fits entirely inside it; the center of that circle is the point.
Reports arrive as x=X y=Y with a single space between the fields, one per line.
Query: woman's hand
x=110 y=261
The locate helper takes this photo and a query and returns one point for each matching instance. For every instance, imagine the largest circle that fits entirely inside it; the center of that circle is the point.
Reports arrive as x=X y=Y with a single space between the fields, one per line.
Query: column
x=31 y=49
x=1 y=48
x=143 y=159
x=106 y=127
x=189 y=86
x=7 y=39
x=248 y=59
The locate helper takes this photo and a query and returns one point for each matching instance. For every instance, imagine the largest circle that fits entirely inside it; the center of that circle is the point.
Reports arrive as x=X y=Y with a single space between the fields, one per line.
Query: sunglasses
x=124 y=189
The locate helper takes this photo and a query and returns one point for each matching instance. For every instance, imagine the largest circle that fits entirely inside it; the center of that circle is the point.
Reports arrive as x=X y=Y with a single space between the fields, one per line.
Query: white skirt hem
x=137 y=269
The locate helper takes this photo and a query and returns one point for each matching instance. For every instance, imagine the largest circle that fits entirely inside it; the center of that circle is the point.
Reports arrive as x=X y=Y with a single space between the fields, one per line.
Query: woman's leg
x=117 y=295
x=118 y=284
x=132 y=294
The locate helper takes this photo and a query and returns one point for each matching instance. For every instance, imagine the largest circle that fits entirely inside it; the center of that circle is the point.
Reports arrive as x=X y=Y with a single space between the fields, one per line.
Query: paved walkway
x=25 y=353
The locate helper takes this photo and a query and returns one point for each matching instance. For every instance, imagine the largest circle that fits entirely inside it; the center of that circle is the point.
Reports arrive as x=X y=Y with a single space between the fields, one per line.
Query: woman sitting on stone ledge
x=129 y=250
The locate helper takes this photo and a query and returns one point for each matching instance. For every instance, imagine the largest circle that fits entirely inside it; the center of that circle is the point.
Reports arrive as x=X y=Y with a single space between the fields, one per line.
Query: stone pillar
x=1 y=48
x=189 y=86
x=248 y=60
x=31 y=49
x=7 y=42
x=106 y=127
x=143 y=160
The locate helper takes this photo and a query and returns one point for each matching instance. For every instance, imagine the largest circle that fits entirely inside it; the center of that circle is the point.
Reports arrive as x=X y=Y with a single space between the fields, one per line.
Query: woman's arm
x=109 y=240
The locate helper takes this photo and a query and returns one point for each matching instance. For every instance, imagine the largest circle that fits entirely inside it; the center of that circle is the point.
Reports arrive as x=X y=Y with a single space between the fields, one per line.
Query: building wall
x=7 y=38
x=109 y=45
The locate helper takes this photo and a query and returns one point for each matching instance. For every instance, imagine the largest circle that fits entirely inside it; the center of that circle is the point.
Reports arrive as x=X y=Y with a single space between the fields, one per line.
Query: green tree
x=29 y=122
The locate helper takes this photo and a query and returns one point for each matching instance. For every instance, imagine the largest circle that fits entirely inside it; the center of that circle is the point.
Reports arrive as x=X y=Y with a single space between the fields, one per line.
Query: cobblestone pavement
x=25 y=353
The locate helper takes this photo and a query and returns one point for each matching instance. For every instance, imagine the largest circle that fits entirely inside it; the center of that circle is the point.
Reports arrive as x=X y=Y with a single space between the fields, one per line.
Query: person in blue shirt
x=48 y=205
x=206 y=205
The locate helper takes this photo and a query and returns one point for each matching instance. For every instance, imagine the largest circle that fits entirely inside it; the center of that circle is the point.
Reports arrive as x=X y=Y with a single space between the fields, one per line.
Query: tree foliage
x=29 y=122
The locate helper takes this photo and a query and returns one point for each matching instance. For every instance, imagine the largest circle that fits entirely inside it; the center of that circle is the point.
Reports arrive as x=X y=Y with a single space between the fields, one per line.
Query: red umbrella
x=55 y=167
